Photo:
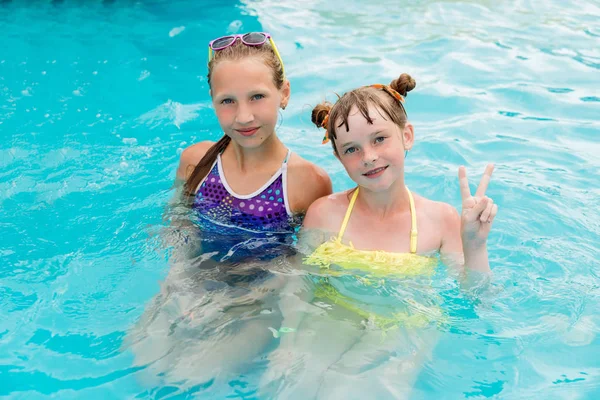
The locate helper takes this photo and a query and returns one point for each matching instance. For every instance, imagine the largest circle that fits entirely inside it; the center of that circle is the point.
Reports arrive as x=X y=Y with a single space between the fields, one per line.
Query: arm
x=453 y=253
x=181 y=233
x=190 y=157
x=178 y=234
x=467 y=235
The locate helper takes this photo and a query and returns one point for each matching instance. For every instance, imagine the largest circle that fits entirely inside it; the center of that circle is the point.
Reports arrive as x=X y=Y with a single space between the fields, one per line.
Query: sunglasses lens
x=254 y=38
x=222 y=42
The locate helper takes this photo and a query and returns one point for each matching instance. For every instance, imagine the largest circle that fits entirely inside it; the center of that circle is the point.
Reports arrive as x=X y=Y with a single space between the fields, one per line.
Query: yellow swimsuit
x=376 y=264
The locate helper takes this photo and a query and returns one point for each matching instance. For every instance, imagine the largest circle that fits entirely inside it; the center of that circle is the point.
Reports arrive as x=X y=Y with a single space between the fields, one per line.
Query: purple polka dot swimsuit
x=266 y=210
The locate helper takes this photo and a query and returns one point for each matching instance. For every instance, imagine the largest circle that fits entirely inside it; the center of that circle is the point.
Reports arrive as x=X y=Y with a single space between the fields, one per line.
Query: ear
x=408 y=136
x=285 y=91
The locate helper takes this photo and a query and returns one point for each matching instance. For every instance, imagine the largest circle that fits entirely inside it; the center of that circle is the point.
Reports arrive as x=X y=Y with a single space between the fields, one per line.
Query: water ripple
x=90 y=141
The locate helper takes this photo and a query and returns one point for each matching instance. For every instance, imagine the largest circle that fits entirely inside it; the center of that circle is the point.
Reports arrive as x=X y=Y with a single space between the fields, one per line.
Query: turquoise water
x=97 y=100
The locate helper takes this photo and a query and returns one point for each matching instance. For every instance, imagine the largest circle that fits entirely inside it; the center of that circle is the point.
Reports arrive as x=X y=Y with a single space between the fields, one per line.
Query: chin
x=373 y=186
x=251 y=142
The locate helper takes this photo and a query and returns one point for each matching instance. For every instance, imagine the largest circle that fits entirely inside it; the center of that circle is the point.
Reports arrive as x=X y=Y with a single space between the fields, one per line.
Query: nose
x=244 y=114
x=369 y=156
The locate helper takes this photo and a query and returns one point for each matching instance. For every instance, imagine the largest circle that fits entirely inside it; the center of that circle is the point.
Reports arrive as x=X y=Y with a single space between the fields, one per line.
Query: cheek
x=351 y=162
x=393 y=154
x=224 y=113
x=269 y=111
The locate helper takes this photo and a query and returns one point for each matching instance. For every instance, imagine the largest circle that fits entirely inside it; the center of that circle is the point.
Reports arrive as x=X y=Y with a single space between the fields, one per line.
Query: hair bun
x=319 y=113
x=403 y=84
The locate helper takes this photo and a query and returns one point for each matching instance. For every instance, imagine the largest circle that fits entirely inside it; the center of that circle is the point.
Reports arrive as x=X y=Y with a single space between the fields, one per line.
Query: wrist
x=472 y=243
x=474 y=246
x=476 y=258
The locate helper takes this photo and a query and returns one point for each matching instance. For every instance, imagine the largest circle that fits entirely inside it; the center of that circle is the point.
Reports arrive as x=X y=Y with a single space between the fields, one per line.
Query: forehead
x=358 y=126
x=241 y=75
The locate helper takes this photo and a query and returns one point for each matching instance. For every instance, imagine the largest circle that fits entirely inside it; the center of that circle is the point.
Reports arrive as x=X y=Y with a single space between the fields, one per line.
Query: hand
x=478 y=211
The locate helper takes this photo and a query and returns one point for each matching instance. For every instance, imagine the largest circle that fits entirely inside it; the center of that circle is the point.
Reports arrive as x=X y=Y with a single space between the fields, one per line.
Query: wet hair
x=237 y=51
x=361 y=98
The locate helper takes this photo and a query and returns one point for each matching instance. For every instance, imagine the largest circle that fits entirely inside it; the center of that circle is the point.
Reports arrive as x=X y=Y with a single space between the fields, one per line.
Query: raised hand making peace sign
x=478 y=211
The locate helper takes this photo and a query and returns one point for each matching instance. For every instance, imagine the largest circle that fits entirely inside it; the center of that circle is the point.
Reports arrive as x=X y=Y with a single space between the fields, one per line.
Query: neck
x=385 y=203
x=272 y=150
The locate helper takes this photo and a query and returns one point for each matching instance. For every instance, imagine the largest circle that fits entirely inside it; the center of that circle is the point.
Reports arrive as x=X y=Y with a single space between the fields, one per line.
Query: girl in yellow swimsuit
x=377 y=237
x=377 y=221
x=372 y=267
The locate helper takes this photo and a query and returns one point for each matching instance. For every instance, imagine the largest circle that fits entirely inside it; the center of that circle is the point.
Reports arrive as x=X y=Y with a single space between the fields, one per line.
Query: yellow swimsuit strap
x=413 y=215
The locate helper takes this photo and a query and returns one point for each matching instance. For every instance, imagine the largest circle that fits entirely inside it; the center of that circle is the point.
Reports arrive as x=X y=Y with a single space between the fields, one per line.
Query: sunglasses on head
x=249 y=39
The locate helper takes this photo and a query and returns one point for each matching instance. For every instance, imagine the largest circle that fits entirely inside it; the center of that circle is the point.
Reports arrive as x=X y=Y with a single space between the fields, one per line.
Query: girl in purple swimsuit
x=249 y=192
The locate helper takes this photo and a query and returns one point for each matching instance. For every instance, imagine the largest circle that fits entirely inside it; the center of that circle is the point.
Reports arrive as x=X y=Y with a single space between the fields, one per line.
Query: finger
x=465 y=192
x=485 y=215
x=479 y=207
x=485 y=181
x=493 y=214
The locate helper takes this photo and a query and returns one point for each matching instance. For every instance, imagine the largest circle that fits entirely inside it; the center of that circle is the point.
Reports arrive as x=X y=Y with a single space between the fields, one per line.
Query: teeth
x=375 y=171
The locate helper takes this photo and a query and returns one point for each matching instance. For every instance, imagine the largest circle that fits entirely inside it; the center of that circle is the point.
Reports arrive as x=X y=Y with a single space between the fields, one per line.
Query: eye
x=380 y=139
x=227 y=101
x=258 y=96
x=350 y=150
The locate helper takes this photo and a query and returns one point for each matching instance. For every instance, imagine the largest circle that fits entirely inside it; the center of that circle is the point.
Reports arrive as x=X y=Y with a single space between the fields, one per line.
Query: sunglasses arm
x=277 y=54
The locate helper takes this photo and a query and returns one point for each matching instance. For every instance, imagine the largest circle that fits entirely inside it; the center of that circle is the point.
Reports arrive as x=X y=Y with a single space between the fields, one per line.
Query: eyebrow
x=250 y=93
x=223 y=96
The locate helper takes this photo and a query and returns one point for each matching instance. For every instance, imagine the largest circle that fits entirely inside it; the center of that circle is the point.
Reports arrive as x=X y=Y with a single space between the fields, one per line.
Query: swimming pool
x=97 y=99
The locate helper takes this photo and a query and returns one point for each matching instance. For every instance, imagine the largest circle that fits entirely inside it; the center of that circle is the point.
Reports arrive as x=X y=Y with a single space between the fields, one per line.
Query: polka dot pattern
x=264 y=212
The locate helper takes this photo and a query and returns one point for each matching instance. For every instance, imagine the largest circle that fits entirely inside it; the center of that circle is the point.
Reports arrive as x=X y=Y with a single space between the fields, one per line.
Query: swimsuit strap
x=284 y=183
x=413 y=223
x=347 y=216
x=413 y=215
x=287 y=156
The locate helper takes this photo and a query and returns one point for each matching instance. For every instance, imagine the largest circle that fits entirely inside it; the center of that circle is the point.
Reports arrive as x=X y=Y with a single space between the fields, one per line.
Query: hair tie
x=324 y=125
x=391 y=92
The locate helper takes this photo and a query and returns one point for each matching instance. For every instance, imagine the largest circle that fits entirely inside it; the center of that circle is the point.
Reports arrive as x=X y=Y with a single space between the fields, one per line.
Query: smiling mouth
x=375 y=171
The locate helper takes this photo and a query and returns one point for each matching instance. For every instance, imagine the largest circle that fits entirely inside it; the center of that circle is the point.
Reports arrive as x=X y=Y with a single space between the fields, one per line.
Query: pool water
x=99 y=98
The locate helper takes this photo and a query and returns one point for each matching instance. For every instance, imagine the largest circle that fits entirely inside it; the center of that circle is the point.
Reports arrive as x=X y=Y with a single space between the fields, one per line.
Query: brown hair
x=361 y=98
x=235 y=52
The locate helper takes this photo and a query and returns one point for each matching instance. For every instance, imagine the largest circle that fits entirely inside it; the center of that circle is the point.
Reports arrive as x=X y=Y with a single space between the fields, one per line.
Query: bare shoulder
x=437 y=211
x=327 y=212
x=307 y=182
x=299 y=168
x=190 y=157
